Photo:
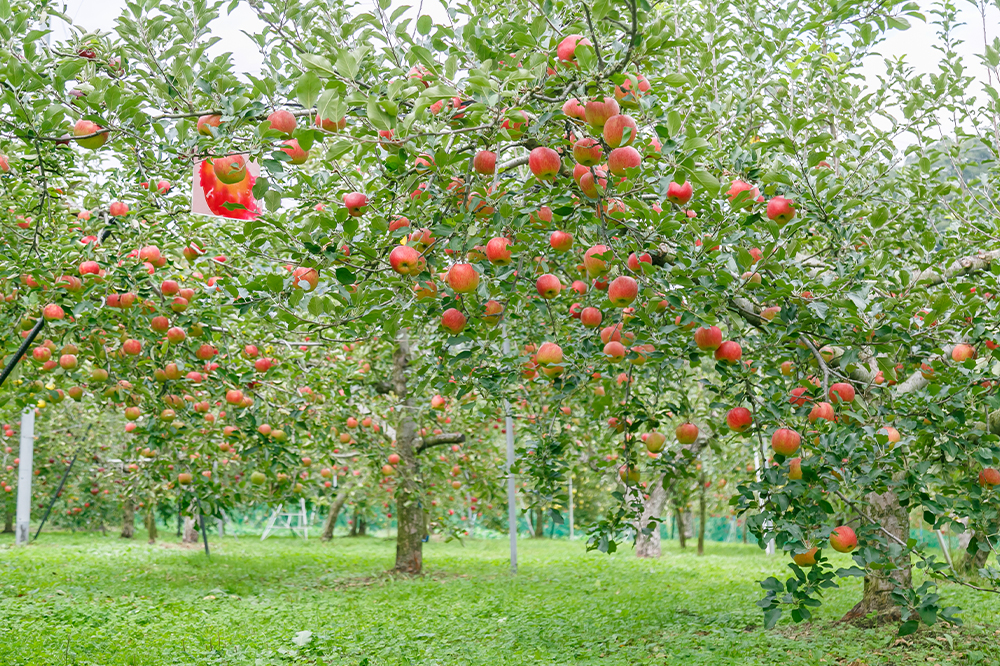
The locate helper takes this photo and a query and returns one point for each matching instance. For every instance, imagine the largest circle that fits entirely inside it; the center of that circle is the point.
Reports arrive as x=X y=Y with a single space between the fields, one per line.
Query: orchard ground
x=91 y=600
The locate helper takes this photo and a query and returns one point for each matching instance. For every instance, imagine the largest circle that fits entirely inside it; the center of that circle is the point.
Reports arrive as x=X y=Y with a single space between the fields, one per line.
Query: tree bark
x=190 y=534
x=409 y=510
x=648 y=545
x=971 y=563
x=885 y=510
x=539 y=524
x=679 y=519
x=8 y=522
x=151 y=523
x=331 y=517
x=128 y=519
x=701 y=515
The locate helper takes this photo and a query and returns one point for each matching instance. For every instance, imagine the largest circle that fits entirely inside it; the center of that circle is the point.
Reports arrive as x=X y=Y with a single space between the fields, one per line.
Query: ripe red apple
x=593 y=184
x=67 y=362
x=891 y=433
x=598 y=111
x=739 y=419
x=739 y=186
x=132 y=347
x=785 y=441
x=629 y=475
x=843 y=539
x=405 y=260
x=85 y=127
x=169 y=287
x=492 y=310
x=230 y=169
x=708 y=339
x=780 y=210
x=398 y=223
x=548 y=286
x=655 y=441
x=634 y=261
x=52 y=312
x=305 y=278
x=282 y=122
x=498 y=252
x=453 y=321
x=561 y=241
x=463 y=279
x=623 y=158
x=566 y=49
x=594 y=262
x=574 y=109
x=729 y=352
x=295 y=151
x=234 y=396
x=623 y=291
x=550 y=354
x=962 y=352
x=485 y=162
x=330 y=125
x=989 y=477
x=841 y=392
x=150 y=253
x=795 y=469
x=588 y=152
x=620 y=130
x=679 y=194
x=118 y=209
x=544 y=163
x=686 y=433
x=822 y=410
x=206 y=123
x=614 y=351
x=176 y=335
x=590 y=317
x=806 y=559
x=356 y=203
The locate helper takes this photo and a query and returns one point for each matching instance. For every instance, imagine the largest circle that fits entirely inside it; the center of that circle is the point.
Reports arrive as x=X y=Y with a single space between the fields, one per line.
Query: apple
x=623 y=291
x=52 y=312
x=561 y=241
x=891 y=433
x=67 y=362
x=184 y=478
x=729 y=352
x=593 y=261
x=85 y=127
x=176 y=335
x=330 y=125
x=463 y=279
x=192 y=252
x=614 y=351
x=739 y=419
x=590 y=317
x=234 y=396
x=962 y=352
x=785 y=441
x=654 y=441
x=588 y=152
x=498 y=252
x=295 y=151
x=769 y=313
x=356 y=203
x=989 y=477
x=686 y=433
x=574 y=109
x=179 y=304
x=593 y=184
x=634 y=261
x=118 y=209
x=795 y=469
x=620 y=130
x=257 y=478
x=306 y=278
x=579 y=286
x=162 y=186
x=262 y=364
x=627 y=96
x=98 y=375
x=544 y=163
x=282 y=122
x=841 y=392
x=206 y=123
x=4 y=164
x=739 y=186
x=132 y=347
x=822 y=410
x=566 y=49
x=169 y=287
x=230 y=169
x=150 y=253
x=405 y=260
x=548 y=286
x=629 y=475
x=843 y=539
x=622 y=159
x=550 y=354
x=708 y=339
x=453 y=321
x=485 y=162
x=806 y=559
x=598 y=111
x=514 y=128
x=780 y=210
x=786 y=368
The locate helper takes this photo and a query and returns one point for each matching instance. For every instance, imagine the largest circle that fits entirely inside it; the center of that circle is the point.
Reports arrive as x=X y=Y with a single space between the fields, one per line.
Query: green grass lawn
x=91 y=600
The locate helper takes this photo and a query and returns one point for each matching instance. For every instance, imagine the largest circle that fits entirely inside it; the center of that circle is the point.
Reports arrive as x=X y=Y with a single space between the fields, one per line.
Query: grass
x=100 y=601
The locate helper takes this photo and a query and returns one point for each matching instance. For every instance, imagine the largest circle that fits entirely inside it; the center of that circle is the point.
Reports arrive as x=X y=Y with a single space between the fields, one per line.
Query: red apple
x=85 y=127
x=785 y=441
x=729 y=352
x=620 y=130
x=544 y=163
x=548 y=286
x=282 y=122
x=295 y=151
x=574 y=109
x=795 y=469
x=962 y=352
x=206 y=123
x=498 y=252
x=356 y=203
x=739 y=186
x=708 y=339
x=485 y=162
x=453 y=321
x=566 y=49
x=623 y=291
x=614 y=351
x=843 y=539
x=739 y=419
x=822 y=410
x=598 y=111
x=588 y=152
x=594 y=262
x=231 y=169
x=989 y=477
x=841 y=392
x=780 y=210
x=463 y=278
x=561 y=241
x=590 y=317
x=679 y=194
x=405 y=260
x=686 y=433
x=118 y=209
x=622 y=159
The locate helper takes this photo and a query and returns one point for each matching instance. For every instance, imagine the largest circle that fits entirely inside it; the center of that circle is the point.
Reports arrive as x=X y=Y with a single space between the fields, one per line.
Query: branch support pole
x=511 y=481
x=24 y=469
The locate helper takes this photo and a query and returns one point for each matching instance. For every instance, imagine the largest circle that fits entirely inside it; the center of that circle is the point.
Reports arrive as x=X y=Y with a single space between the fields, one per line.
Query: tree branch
x=437 y=440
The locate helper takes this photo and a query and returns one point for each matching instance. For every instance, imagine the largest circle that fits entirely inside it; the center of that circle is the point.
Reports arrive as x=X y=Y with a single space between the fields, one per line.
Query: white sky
x=913 y=44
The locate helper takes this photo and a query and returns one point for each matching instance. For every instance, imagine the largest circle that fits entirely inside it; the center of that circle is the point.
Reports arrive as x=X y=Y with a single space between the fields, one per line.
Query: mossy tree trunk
x=409 y=511
x=150 y=521
x=128 y=519
x=335 y=509
x=190 y=533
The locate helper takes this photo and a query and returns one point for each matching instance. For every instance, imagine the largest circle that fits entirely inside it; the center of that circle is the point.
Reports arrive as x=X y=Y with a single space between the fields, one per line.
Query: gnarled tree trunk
x=128 y=519
x=409 y=511
x=190 y=534
x=679 y=520
x=150 y=521
x=648 y=545
x=335 y=508
x=539 y=524
x=8 y=522
x=885 y=509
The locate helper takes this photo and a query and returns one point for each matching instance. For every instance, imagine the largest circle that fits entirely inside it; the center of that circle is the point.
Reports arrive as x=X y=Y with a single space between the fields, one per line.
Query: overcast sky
x=913 y=44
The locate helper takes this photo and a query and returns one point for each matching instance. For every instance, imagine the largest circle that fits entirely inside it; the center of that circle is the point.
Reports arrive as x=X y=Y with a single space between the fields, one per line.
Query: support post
x=22 y=528
x=16 y=358
x=201 y=521
x=511 y=481
x=571 y=505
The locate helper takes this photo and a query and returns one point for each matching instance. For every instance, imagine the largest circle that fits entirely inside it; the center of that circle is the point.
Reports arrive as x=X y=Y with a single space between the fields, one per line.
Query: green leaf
x=908 y=627
x=345 y=276
x=706 y=181
x=318 y=63
x=424 y=24
x=675 y=80
x=771 y=617
x=275 y=282
x=307 y=89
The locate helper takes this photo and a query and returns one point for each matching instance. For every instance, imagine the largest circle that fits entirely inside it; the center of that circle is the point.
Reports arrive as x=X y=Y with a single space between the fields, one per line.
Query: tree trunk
x=410 y=512
x=701 y=515
x=744 y=531
x=190 y=534
x=128 y=519
x=971 y=563
x=679 y=520
x=362 y=526
x=335 y=508
x=885 y=510
x=8 y=522
x=539 y=524
x=648 y=545
x=151 y=523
